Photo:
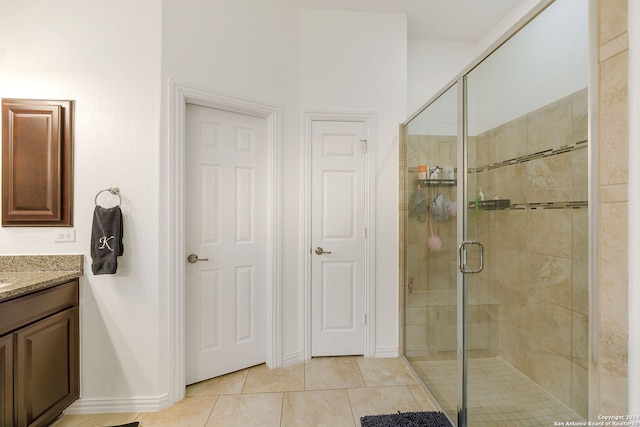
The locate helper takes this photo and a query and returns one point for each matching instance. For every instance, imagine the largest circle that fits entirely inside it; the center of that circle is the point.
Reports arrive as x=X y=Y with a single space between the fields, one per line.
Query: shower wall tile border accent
x=551 y=205
x=529 y=157
x=522 y=159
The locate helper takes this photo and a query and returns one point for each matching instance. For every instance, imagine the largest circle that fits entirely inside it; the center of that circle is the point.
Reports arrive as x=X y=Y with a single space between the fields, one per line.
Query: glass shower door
x=430 y=245
x=526 y=197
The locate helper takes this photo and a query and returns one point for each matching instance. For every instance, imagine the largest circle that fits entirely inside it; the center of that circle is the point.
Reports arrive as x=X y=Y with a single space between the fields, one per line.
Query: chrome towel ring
x=113 y=190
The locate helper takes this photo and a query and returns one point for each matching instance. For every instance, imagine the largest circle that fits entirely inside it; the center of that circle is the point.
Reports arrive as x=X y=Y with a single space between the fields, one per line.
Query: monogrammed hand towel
x=106 y=239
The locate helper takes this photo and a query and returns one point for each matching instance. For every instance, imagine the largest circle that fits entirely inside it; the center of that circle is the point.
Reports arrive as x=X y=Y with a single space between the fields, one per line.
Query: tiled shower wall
x=537 y=251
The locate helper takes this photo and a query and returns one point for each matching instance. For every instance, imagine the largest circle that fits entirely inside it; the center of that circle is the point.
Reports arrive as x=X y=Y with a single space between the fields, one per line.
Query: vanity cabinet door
x=6 y=380
x=46 y=368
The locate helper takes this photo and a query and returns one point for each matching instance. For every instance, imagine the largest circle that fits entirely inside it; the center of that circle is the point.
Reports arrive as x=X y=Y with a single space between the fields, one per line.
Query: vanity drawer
x=21 y=311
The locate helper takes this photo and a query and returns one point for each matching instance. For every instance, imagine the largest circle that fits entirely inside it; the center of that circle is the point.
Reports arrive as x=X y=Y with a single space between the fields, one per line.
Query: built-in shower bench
x=431 y=323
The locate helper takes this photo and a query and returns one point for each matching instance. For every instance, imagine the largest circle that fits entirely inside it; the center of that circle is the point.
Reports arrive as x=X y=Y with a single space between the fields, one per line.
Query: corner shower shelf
x=436 y=182
x=492 y=204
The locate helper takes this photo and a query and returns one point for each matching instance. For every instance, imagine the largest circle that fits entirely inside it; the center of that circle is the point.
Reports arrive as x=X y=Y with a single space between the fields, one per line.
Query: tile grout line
x=353 y=415
x=244 y=382
x=282 y=409
x=210 y=412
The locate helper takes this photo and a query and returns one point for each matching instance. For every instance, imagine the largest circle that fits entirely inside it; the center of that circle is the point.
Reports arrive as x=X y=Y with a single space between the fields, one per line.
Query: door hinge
x=365 y=318
x=365 y=232
x=364 y=145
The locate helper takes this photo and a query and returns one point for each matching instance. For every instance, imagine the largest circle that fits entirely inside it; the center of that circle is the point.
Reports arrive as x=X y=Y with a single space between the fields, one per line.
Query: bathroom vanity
x=39 y=345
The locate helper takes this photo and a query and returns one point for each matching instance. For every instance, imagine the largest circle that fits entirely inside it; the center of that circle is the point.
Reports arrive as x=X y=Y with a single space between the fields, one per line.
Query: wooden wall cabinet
x=39 y=356
x=37 y=163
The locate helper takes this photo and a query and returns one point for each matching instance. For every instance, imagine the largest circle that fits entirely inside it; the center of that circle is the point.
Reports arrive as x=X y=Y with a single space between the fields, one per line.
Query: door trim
x=305 y=225
x=180 y=95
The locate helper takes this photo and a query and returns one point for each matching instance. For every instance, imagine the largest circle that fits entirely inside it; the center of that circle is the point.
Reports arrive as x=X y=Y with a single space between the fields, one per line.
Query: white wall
x=507 y=22
x=356 y=62
x=109 y=63
x=431 y=65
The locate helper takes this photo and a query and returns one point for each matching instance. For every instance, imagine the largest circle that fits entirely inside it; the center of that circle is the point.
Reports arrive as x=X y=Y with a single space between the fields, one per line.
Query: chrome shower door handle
x=193 y=258
x=462 y=257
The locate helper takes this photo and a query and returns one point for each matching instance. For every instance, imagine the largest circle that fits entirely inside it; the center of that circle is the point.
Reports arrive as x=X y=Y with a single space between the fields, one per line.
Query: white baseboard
x=292 y=359
x=102 y=406
x=382 y=352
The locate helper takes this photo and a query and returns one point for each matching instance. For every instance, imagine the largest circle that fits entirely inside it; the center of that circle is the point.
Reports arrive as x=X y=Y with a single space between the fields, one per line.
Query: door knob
x=320 y=251
x=193 y=258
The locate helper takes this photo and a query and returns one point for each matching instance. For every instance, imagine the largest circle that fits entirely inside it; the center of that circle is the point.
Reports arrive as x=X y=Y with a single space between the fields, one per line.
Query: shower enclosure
x=494 y=174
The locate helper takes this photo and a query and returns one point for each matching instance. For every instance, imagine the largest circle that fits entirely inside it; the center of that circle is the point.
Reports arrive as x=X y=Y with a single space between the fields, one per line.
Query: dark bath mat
x=406 y=419
x=133 y=424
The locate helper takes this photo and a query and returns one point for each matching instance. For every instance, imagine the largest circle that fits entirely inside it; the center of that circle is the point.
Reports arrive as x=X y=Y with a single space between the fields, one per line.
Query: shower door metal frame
x=593 y=183
x=461 y=279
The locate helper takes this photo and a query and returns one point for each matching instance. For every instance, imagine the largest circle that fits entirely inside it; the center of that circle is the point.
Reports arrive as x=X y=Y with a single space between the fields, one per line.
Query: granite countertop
x=23 y=274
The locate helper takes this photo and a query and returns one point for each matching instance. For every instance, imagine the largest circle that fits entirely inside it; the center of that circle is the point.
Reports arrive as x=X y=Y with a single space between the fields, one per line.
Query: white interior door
x=338 y=238
x=226 y=239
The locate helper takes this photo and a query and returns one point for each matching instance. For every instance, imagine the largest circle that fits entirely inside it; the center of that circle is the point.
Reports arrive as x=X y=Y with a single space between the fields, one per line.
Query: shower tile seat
x=431 y=324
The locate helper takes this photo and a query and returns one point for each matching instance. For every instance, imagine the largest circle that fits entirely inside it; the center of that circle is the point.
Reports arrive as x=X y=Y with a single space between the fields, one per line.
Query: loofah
x=435 y=243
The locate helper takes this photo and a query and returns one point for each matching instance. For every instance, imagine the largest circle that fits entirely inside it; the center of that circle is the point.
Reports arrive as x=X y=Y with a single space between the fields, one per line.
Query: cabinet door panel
x=47 y=375
x=37 y=163
x=6 y=380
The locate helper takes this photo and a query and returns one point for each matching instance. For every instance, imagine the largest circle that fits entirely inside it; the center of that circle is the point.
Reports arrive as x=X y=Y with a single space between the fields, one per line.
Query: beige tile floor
x=327 y=391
